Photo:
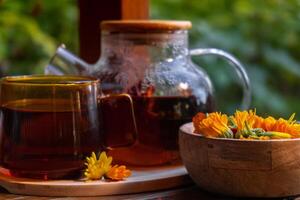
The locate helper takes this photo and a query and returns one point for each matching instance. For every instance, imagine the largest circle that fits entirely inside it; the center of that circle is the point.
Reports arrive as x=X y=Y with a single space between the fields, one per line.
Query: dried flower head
x=96 y=168
x=245 y=125
x=212 y=125
x=101 y=167
x=241 y=118
x=284 y=126
x=118 y=173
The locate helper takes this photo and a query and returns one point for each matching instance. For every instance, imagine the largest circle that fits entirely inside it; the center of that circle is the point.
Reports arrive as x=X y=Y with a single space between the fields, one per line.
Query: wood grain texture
x=134 y=9
x=142 y=180
x=92 y=12
x=241 y=167
x=144 y=26
x=182 y=193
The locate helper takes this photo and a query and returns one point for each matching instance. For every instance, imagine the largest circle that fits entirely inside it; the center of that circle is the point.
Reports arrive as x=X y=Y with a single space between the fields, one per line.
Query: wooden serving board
x=142 y=180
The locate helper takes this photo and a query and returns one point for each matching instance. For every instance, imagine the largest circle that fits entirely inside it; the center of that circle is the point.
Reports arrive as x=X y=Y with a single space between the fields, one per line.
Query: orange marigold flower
x=246 y=125
x=285 y=126
x=258 y=122
x=117 y=173
x=294 y=130
x=269 y=123
x=240 y=118
x=197 y=119
x=213 y=125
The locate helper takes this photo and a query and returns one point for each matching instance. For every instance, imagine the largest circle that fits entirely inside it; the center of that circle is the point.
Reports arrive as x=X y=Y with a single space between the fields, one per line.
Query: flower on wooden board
x=97 y=168
x=118 y=173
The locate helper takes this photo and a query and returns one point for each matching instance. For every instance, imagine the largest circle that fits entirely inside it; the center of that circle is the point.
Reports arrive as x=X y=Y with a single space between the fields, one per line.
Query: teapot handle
x=238 y=68
x=134 y=133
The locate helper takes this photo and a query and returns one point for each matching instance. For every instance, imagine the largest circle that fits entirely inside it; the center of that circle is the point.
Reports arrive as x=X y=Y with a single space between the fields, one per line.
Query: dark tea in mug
x=48 y=125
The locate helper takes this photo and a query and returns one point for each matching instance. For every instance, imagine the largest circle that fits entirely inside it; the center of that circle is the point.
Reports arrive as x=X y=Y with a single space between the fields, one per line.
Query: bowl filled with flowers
x=243 y=155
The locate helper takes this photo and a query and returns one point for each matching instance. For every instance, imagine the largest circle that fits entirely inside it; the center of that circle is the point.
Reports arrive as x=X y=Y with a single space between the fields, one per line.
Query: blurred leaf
x=281 y=58
x=264 y=35
x=31 y=30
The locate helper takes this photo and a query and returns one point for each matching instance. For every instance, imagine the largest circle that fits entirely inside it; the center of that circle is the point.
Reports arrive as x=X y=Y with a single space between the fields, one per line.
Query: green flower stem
x=275 y=135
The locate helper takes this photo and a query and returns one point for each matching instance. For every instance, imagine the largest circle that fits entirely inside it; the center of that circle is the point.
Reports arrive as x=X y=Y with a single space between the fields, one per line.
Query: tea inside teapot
x=150 y=61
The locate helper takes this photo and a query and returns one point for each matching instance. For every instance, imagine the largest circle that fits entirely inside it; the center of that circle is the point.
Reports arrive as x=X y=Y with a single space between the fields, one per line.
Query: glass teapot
x=150 y=61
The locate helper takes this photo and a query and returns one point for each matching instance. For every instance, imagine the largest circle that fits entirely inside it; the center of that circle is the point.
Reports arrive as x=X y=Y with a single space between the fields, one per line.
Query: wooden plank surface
x=92 y=12
x=142 y=180
x=186 y=193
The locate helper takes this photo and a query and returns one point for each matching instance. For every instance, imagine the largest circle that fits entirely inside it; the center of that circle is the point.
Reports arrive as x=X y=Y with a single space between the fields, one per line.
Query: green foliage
x=31 y=30
x=263 y=35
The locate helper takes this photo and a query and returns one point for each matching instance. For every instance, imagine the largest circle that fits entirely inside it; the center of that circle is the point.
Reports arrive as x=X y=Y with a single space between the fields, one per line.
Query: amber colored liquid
x=38 y=142
x=158 y=120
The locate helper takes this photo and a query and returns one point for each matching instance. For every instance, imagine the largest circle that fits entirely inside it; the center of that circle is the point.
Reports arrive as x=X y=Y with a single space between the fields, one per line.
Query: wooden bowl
x=243 y=168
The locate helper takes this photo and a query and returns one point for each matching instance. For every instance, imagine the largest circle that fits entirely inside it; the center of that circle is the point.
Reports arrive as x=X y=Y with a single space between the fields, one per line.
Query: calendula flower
x=213 y=125
x=197 y=119
x=241 y=118
x=118 y=173
x=258 y=122
x=204 y=127
x=284 y=126
x=99 y=167
x=268 y=124
x=246 y=125
x=96 y=168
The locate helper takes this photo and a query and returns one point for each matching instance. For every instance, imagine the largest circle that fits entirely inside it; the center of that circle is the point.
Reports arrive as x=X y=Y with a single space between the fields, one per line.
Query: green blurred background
x=263 y=34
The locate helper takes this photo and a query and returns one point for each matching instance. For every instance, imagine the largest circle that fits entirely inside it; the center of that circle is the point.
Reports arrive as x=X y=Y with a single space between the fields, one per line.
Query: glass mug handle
x=238 y=68
x=134 y=133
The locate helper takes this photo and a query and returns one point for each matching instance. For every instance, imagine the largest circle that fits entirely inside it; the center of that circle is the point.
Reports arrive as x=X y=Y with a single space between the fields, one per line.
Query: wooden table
x=187 y=193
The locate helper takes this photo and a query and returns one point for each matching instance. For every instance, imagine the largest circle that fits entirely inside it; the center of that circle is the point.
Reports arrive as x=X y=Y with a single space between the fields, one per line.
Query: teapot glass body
x=167 y=90
x=153 y=65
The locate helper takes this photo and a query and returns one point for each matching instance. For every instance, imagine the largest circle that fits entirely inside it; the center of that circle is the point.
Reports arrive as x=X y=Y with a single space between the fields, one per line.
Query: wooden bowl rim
x=187 y=126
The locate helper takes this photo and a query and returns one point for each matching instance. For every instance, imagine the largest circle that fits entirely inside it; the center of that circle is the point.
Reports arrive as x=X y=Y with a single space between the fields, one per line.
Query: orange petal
x=118 y=173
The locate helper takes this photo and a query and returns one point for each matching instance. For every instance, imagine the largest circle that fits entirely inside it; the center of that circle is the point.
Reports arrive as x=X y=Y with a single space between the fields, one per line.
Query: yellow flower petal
x=96 y=168
x=241 y=118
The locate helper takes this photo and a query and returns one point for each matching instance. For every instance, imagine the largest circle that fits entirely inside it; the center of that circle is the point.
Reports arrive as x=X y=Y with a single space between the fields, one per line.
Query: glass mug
x=49 y=124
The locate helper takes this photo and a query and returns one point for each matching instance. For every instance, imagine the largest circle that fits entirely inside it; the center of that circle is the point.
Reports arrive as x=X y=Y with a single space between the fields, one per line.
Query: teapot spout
x=64 y=62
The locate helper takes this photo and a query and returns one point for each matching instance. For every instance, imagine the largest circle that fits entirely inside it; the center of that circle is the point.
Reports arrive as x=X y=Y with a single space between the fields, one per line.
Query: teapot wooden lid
x=137 y=26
